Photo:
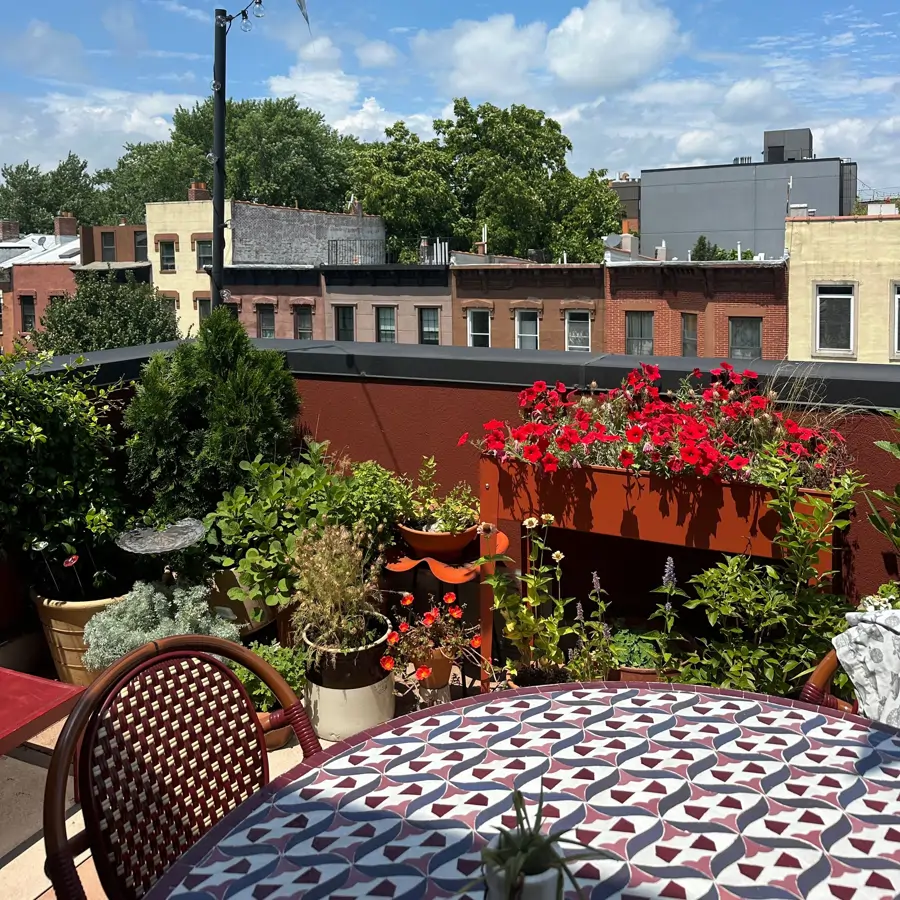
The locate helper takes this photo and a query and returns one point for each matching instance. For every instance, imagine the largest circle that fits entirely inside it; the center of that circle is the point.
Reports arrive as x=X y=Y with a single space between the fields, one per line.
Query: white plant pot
x=338 y=713
x=535 y=887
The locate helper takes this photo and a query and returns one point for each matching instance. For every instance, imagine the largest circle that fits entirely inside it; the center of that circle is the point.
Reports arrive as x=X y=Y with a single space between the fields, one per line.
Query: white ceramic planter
x=536 y=887
x=338 y=713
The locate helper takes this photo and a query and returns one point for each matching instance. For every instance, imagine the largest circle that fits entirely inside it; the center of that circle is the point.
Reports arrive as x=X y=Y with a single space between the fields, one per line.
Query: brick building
x=529 y=306
x=709 y=309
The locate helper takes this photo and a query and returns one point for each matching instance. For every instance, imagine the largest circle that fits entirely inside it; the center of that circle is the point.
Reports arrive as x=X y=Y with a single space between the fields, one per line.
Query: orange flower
x=423 y=672
x=393 y=637
x=456 y=612
x=387 y=663
x=429 y=619
x=476 y=641
x=406 y=600
x=436 y=611
x=404 y=627
x=449 y=598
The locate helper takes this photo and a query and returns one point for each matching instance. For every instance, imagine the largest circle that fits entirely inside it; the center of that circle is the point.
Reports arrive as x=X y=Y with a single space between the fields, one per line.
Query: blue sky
x=636 y=83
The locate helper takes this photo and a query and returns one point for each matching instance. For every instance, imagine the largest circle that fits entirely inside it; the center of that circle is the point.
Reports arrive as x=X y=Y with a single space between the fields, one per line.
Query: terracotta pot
x=248 y=615
x=278 y=738
x=441 y=669
x=63 y=622
x=627 y=673
x=439 y=545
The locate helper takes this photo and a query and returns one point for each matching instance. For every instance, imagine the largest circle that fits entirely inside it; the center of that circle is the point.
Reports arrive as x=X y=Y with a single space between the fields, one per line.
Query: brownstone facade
x=722 y=297
x=113 y=243
x=32 y=287
x=549 y=291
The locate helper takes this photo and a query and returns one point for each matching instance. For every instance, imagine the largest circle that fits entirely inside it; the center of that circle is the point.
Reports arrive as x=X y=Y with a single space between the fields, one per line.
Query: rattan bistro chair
x=168 y=743
x=817 y=689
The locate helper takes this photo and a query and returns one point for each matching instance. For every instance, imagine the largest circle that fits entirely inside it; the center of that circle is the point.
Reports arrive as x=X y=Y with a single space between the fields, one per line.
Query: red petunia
x=532 y=453
x=387 y=663
x=463 y=438
x=690 y=454
x=393 y=637
x=634 y=435
x=456 y=612
x=494 y=425
x=539 y=386
x=449 y=598
x=404 y=627
x=406 y=600
x=748 y=373
x=476 y=641
x=651 y=372
x=423 y=672
x=560 y=387
x=550 y=463
x=71 y=561
x=626 y=459
x=738 y=462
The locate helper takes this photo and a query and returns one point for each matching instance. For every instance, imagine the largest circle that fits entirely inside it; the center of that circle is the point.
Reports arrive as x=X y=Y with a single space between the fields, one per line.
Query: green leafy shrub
x=147 y=613
x=59 y=495
x=455 y=512
x=378 y=498
x=200 y=411
x=635 y=649
x=289 y=662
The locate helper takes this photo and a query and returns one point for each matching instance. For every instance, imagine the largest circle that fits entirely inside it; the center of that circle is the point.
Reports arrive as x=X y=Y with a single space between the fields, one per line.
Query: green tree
x=103 y=314
x=588 y=210
x=705 y=251
x=407 y=180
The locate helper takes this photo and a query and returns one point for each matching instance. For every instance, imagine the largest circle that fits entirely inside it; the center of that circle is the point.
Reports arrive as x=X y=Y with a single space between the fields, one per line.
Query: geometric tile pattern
x=699 y=794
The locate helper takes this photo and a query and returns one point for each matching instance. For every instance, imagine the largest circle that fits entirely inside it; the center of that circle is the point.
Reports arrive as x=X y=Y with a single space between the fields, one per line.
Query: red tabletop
x=29 y=705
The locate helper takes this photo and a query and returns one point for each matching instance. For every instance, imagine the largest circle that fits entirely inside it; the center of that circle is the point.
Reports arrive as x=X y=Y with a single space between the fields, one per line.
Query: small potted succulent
x=440 y=527
x=336 y=615
x=290 y=663
x=524 y=863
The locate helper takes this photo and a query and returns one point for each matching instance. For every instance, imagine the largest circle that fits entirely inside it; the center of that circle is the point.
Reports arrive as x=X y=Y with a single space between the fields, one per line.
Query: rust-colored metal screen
x=175 y=748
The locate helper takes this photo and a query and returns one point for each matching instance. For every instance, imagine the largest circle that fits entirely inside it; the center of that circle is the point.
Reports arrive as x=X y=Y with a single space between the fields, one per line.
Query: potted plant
x=421 y=653
x=149 y=612
x=440 y=527
x=533 y=609
x=337 y=616
x=524 y=863
x=290 y=663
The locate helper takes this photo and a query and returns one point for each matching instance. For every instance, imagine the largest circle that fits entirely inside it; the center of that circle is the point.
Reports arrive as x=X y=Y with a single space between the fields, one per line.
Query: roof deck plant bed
x=691 y=467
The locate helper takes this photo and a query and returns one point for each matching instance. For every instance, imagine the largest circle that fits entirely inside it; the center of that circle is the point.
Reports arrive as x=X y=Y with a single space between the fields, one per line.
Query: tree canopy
x=103 y=314
x=705 y=251
x=503 y=168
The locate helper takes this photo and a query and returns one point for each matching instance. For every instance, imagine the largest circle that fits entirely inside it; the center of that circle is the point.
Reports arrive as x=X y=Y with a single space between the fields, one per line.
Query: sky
x=635 y=83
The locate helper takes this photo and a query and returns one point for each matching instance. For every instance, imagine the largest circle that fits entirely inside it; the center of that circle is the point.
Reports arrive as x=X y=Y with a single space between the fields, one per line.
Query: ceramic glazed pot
x=535 y=887
x=438 y=544
x=347 y=691
x=441 y=669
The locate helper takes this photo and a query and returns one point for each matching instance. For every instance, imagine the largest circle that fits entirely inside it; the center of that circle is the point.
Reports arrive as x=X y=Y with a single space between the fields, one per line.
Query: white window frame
x=377 y=312
x=419 y=311
x=537 y=321
x=296 y=311
x=817 y=288
x=334 y=317
x=579 y=312
x=477 y=309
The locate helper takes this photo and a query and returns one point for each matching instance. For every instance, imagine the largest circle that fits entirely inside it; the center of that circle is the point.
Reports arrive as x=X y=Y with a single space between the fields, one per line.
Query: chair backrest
x=169 y=745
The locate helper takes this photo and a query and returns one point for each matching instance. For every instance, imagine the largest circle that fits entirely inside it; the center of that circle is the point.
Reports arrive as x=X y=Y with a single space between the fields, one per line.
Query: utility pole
x=223 y=21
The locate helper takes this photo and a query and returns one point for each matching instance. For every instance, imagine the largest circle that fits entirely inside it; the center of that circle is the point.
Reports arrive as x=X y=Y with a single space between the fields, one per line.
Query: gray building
x=745 y=202
x=284 y=236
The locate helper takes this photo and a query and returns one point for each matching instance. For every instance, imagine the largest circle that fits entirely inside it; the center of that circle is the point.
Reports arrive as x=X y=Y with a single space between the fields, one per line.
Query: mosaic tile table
x=700 y=793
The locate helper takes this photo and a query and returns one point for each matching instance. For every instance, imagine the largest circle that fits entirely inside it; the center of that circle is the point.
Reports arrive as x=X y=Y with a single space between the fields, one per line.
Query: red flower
x=634 y=435
x=837 y=436
x=697 y=373
x=463 y=438
x=758 y=402
x=387 y=663
x=799 y=450
x=423 y=672
x=406 y=600
x=675 y=464
x=747 y=373
x=550 y=463
x=690 y=454
x=539 y=386
x=456 y=612
x=738 y=462
x=560 y=387
x=531 y=452
x=393 y=637
x=626 y=459
x=404 y=627
x=436 y=611
x=494 y=425
x=449 y=598
x=71 y=561
x=428 y=619
x=651 y=372
x=476 y=641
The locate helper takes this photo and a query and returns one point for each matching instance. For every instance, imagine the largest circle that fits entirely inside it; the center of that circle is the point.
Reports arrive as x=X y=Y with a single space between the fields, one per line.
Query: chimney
x=9 y=230
x=198 y=191
x=661 y=252
x=625 y=226
x=481 y=248
x=65 y=225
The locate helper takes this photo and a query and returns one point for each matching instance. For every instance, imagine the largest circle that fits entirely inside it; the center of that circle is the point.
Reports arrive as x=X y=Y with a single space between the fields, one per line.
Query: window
x=232 y=308
x=834 y=318
x=167 y=256
x=107 y=246
x=344 y=326
x=303 y=330
x=479 y=325
x=29 y=319
x=639 y=333
x=429 y=326
x=386 y=324
x=204 y=254
x=527 y=329
x=744 y=337
x=896 y=320
x=578 y=330
x=689 y=334
x=140 y=246
x=204 y=306
x=171 y=302
x=265 y=320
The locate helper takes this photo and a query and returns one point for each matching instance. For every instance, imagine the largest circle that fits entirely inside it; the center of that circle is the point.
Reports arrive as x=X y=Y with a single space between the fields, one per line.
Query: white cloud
x=189 y=12
x=841 y=40
x=610 y=43
x=175 y=54
x=120 y=20
x=44 y=51
x=376 y=54
x=320 y=51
